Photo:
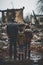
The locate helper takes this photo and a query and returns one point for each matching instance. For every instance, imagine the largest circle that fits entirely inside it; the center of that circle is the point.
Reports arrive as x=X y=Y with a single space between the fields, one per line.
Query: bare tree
x=40 y=6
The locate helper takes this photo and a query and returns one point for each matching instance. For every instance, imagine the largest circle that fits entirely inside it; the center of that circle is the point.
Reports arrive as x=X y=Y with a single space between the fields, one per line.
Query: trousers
x=12 y=42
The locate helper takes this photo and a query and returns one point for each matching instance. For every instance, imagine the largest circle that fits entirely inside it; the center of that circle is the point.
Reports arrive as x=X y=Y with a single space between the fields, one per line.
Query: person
x=12 y=31
x=21 y=41
x=28 y=36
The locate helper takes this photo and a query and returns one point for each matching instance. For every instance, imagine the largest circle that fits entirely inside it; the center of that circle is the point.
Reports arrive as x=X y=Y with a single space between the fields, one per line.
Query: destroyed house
x=16 y=14
x=39 y=18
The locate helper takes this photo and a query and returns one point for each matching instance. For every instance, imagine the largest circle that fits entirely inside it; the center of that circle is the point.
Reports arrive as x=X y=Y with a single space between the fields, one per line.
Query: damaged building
x=16 y=14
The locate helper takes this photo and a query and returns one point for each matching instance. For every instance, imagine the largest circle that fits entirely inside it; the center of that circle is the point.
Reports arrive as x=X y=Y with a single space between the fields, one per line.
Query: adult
x=12 y=31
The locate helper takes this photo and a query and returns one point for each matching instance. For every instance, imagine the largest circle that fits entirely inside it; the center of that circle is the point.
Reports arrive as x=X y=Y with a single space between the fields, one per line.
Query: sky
x=28 y=4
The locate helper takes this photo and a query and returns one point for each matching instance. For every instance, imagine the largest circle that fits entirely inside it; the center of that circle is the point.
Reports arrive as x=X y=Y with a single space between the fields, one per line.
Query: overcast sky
x=28 y=4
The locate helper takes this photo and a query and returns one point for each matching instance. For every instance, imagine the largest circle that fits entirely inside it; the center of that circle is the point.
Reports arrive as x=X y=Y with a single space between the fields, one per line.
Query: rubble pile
x=3 y=40
x=37 y=43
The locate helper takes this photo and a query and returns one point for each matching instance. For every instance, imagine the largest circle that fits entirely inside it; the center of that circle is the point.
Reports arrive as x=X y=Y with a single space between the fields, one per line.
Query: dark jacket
x=12 y=30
